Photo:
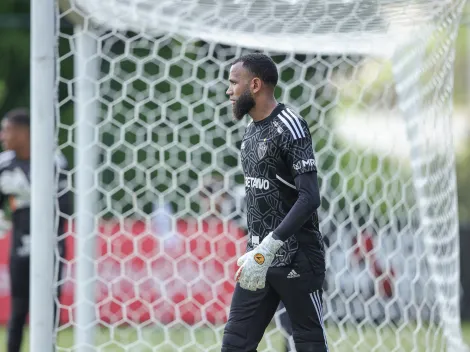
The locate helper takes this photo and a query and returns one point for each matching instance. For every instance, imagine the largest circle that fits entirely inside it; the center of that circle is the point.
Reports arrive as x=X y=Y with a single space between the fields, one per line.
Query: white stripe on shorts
x=316 y=300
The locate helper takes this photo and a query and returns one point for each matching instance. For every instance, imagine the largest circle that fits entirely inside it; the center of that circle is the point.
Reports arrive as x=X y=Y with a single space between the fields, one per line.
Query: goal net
x=159 y=222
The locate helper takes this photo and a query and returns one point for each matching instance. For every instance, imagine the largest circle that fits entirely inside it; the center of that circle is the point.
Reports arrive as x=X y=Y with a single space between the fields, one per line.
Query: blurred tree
x=14 y=54
x=15 y=60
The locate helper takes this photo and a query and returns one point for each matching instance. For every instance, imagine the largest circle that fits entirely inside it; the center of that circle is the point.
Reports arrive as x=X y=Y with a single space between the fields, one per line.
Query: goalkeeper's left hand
x=254 y=264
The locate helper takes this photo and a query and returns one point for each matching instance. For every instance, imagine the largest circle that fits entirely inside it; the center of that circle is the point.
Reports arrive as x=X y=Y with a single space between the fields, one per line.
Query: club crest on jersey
x=278 y=127
x=262 y=148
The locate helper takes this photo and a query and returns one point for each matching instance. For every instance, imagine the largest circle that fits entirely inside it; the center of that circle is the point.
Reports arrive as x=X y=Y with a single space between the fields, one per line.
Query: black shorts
x=299 y=287
x=19 y=277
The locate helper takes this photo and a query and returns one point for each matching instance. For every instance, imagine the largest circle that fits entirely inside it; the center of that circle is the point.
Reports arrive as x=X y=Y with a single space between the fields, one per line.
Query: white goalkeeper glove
x=5 y=225
x=254 y=264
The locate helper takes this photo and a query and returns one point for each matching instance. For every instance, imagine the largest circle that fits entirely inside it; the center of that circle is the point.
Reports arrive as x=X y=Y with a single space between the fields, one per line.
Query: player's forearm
x=306 y=204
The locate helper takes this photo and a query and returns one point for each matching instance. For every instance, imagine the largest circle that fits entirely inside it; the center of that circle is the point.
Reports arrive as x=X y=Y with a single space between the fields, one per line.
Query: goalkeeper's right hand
x=5 y=225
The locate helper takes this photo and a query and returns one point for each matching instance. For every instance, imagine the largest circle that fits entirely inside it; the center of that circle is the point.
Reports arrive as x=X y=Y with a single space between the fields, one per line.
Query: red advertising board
x=141 y=276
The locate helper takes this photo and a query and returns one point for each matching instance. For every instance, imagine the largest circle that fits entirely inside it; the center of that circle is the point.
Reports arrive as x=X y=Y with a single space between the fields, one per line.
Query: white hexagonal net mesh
x=165 y=195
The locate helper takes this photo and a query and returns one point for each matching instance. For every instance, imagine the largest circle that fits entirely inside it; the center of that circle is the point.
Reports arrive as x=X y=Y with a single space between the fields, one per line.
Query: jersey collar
x=273 y=114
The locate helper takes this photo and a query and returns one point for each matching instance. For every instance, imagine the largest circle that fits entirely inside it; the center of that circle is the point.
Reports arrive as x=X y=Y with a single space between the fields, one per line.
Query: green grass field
x=181 y=338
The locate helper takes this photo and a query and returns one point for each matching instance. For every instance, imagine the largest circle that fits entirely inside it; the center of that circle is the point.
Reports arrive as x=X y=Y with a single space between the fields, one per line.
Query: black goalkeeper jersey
x=273 y=152
x=15 y=188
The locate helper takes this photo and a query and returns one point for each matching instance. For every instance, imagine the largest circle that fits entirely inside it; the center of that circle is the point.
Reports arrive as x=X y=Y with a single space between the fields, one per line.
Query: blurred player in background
x=285 y=260
x=15 y=193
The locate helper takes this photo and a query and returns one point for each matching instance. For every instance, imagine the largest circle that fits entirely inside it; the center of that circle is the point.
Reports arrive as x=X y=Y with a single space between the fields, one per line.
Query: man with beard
x=285 y=255
x=15 y=191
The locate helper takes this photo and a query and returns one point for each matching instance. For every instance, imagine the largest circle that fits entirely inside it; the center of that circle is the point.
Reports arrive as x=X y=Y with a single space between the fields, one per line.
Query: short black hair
x=260 y=65
x=19 y=116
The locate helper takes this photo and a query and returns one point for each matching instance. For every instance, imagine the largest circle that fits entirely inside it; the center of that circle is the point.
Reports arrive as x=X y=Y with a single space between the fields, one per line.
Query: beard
x=243 y=105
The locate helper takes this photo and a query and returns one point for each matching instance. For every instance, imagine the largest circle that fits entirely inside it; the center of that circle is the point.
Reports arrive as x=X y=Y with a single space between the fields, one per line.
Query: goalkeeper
x=285 y=258
x=15 y=191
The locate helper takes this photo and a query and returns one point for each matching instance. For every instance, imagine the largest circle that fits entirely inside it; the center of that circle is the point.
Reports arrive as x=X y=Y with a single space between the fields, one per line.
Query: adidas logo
x=292 y=274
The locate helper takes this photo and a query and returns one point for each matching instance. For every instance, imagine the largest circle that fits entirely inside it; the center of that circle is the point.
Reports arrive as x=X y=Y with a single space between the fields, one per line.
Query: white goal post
x=142 y=117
